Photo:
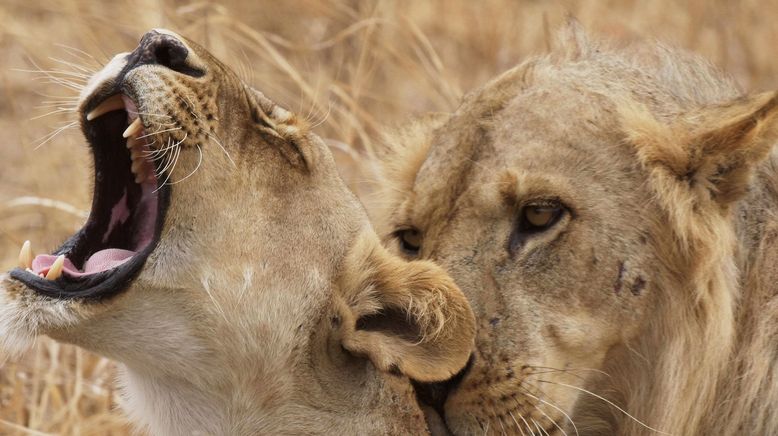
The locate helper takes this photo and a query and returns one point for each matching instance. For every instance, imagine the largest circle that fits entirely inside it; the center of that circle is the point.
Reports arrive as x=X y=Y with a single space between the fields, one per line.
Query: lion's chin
x=128 y=209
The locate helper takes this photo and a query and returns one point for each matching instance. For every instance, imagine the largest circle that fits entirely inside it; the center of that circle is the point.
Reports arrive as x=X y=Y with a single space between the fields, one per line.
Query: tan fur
x=269 y=294
x=657 y=292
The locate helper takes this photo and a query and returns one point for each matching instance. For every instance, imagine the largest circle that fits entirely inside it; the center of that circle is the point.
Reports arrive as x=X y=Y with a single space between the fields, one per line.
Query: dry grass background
x=350 y=66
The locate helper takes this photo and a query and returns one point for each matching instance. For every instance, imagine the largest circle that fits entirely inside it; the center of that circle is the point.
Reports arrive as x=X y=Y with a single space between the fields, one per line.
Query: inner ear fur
x=406 y=317
x=712 y=150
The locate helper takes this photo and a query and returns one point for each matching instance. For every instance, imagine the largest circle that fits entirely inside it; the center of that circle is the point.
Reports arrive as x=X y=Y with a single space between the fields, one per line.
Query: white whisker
x=550 y=419
x=607 y=401
x=58 y=110
x=222 y=147
x=53 y=134
x=158 y=154
x=517 y=423
x=199 y=162
x=49 y=73
x=88 y=72
x=62 y=100
x=62 y=82
x=499 y=420
x=526 y=392
x=177 y=154
x=148 y=114
x=75 y=52
x=158 y=132
x=526 y=424
x=168 y=156
x=81 y=70
x=537 y=426
x=165 y=166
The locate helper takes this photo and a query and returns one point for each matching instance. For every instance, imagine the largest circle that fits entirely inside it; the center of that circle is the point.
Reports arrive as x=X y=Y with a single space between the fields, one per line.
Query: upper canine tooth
x=25 y=256
x=55 y=271
x=133 y=128
x=112 y=103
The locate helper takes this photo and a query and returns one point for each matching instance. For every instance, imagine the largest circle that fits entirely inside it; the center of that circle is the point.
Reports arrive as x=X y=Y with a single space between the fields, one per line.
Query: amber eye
x=538 y=218
x=410 y=241
x=534 y=219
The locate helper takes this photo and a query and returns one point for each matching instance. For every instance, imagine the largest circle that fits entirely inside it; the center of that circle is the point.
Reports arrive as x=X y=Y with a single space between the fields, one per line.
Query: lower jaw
x=103 y=284
x=128 y=211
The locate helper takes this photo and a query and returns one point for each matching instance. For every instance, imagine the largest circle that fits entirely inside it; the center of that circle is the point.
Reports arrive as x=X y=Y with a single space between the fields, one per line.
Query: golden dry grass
x=351 y=66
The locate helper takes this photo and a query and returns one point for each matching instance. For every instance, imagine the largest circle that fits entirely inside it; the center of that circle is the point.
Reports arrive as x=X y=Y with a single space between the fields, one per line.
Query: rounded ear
x=712 y=151
x=406 y=317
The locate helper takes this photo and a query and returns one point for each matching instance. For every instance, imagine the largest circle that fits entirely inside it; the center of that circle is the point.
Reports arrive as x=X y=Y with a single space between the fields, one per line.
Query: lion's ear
x=406 y=317
x=572 y=42
x=713 y=151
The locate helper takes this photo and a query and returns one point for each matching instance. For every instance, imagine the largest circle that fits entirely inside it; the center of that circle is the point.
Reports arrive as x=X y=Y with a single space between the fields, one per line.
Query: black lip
x=111 y=282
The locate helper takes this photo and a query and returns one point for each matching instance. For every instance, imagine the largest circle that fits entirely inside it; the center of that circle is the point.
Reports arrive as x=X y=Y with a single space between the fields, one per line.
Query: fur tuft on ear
x=406 y=317
x=712 y=151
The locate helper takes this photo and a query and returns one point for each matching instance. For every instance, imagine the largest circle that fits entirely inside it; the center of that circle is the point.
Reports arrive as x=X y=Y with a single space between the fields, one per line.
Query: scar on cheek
x=619 y=278
x=637 y=285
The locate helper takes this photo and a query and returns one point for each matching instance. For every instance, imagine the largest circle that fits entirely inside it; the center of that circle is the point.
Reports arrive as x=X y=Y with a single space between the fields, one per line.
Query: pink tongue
x=101 y=261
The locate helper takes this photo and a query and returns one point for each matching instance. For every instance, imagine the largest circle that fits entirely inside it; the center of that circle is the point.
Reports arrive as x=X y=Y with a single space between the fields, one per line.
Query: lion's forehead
x=548 y=138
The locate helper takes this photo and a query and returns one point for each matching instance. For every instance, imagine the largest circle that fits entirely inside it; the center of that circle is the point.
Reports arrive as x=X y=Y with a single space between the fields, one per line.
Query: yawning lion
x=229 y=269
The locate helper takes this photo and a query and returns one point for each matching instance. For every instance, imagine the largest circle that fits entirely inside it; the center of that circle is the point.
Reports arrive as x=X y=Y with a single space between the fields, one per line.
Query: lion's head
x=228 y=267
x=591 y=206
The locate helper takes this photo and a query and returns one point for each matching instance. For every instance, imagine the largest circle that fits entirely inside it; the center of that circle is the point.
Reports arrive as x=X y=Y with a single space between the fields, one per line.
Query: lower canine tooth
x=25 y=256
x=55 y=271
x=133 y=128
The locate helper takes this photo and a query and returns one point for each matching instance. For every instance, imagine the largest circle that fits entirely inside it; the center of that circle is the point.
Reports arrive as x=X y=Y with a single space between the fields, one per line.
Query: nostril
x=171 y=55
x=166 y=50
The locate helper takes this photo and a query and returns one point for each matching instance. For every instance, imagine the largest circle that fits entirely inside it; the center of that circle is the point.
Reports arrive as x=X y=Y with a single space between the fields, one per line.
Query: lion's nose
x=158 y=48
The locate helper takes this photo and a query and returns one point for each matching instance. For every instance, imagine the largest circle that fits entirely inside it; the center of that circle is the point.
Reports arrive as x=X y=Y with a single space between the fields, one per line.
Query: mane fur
x=707 y=361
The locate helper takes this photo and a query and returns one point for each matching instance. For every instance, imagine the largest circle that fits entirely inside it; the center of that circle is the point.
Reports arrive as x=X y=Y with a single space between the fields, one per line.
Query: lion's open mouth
x=128 y=209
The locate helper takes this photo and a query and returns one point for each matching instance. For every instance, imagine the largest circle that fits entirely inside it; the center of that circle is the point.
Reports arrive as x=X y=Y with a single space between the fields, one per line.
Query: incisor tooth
x=136 y=164
x=56 y=268
x=112 y=103
x=132 y=142
x=25 y=256
x=135 y=153
x=133 y=128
